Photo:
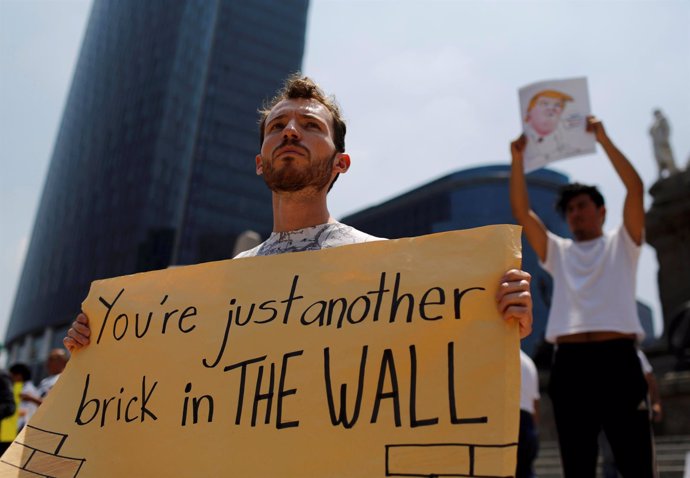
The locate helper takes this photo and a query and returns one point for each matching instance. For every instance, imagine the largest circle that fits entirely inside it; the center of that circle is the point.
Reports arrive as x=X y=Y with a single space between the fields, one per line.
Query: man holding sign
x=596 y=379
x=405 y=350
x=302 y=136
x=462 y=432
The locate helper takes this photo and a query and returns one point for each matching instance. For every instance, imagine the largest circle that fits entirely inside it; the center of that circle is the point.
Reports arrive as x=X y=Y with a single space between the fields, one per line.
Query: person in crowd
x=8 y=408
x=28 y=394
x=596 y=379
x=55 y=364
x=528 y=438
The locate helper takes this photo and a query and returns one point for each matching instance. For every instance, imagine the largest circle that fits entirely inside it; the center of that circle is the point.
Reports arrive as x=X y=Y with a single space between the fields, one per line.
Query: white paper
x=554 y=115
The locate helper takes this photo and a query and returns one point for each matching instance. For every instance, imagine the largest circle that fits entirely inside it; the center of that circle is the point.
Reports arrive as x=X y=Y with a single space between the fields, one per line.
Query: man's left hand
x=596 y=127
x=515 y=299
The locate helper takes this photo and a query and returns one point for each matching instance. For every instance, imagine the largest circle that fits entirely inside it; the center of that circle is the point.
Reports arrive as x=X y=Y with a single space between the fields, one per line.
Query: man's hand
x=517 y=147
x=78 y=335
x=595 y=126
x=515 y=299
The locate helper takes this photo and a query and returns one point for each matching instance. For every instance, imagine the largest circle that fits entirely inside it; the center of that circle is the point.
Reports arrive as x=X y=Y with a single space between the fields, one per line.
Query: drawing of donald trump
x=542 y=123
x=544 y=112
x=554 y=121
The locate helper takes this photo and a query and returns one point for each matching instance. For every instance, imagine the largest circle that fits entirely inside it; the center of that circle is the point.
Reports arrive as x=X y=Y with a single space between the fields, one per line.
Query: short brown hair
x=298 y=86
x=559 y=95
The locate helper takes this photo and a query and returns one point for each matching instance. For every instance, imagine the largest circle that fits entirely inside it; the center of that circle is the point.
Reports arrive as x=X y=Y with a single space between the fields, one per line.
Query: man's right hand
x=78 y=335
x=517 y=147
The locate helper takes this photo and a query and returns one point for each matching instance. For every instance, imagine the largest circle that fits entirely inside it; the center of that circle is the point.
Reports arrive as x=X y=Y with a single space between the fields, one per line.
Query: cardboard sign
x=379 y=359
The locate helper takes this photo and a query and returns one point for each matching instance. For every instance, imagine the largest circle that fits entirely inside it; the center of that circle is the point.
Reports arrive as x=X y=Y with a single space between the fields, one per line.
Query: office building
x=154 y=160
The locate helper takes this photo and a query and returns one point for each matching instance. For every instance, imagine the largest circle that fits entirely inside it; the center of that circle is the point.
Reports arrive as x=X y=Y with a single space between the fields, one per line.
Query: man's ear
x=259 y=165
x=341 y=163
x=602 y=213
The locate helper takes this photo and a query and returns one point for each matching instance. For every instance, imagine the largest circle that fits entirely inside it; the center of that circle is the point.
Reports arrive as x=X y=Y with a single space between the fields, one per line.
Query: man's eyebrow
x=271 y=120
x=311 y=116
x=302 y=115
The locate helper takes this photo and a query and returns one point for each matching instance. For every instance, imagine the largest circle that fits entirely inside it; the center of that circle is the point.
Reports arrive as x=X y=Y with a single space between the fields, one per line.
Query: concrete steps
x=672 y=452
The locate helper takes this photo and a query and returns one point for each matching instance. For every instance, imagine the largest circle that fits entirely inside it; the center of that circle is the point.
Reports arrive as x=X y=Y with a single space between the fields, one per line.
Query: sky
x=427 y=88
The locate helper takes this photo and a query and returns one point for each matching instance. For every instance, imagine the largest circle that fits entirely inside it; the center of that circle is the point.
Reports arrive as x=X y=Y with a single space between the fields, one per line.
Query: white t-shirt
x=47 y=384
x=529 y=387
x=593 y=285
x=323 y=236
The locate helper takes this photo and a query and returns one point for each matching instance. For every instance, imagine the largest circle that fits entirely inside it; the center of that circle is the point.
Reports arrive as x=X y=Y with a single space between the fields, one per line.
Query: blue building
x=473 y=198
x=154 y=160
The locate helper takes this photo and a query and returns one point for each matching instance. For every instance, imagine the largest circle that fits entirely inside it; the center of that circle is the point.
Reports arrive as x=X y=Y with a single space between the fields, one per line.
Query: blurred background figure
x=8 y=408
x=28 y=393
x=528 y=440
x=55 y=364
x=656 y=413
x=32 y=397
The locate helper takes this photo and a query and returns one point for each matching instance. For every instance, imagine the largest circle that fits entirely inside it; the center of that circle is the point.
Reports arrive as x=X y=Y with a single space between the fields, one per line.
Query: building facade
x=154 y=160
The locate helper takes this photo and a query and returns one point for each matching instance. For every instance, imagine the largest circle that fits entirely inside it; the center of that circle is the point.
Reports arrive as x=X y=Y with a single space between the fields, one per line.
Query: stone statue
x=660 y=132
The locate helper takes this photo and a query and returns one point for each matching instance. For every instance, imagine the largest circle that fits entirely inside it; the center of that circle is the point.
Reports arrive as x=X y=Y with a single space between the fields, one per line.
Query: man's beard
x=292 y=177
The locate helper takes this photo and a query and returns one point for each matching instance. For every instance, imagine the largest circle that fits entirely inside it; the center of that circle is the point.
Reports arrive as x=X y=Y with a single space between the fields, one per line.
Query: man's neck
x=582 y=237
x=300 y=209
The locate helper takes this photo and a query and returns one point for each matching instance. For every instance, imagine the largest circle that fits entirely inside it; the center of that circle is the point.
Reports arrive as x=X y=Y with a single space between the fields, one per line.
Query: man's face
x=55 y=363
x=584 y=218
x=298 y=150
x=545 y=115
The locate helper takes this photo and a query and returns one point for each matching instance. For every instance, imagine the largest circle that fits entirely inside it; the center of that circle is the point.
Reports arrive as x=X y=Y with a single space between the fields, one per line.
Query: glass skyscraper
x=154 y=160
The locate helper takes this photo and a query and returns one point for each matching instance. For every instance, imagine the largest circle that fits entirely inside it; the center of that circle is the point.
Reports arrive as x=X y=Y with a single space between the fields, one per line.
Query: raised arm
x=633 y=208
x=535 y=231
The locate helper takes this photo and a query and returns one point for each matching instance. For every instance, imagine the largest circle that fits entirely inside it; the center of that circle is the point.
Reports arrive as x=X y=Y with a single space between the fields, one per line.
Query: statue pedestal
x=668 y=231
